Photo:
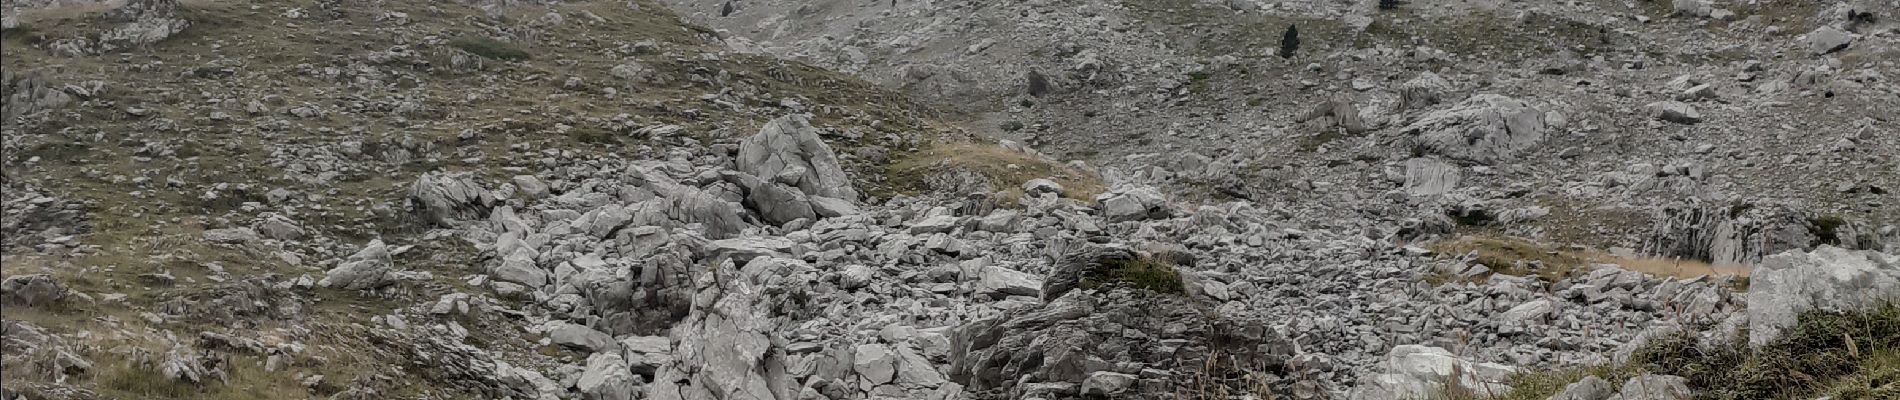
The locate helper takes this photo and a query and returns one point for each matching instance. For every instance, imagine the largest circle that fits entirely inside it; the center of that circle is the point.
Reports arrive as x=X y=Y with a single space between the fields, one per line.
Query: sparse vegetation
x=1846 y=356
x=1523 y=258
x=1005 y=169
x=1143 y=273
x=1826 y=229
x=489 y=48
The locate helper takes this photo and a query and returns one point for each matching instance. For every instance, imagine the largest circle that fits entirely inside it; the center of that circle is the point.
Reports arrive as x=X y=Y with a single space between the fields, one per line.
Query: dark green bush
x=1143 y=273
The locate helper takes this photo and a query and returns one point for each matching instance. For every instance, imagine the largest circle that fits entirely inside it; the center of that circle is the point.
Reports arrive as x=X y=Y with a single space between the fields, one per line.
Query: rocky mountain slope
x=948 y=200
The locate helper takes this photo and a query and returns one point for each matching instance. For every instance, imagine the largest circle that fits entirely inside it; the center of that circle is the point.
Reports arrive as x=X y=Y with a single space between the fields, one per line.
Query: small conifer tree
x=1289 y=42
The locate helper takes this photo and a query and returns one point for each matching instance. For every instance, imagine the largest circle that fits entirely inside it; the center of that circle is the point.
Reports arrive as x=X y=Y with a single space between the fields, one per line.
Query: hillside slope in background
x=946 y=199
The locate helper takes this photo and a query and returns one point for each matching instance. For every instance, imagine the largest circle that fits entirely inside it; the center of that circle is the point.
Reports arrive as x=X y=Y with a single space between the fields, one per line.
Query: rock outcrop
x=1486 y=128
x=1829 y=279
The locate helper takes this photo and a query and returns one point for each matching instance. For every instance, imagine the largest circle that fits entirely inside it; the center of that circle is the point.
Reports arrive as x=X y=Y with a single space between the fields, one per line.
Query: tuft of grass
x=1846 y=356
x=1820 y=348
x=592 y=135
x=146 y=383
x=489 y=48
x=1143 y=273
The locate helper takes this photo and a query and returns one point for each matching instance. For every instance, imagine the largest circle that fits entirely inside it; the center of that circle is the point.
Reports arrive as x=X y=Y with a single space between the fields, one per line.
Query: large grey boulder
x=1832 y=279
x=445 y=199
x=519 y=267
x=1134 y=204
x=369 y=268
x=607 y=377
x=723 y=345
x=1827 y=39
x=1485 y=128
x=1106 y=383
x=1654 y=387
x=788 y=151
x=1417 y=372
x=1336 y=112
x=1430 y=177
x=1674 y=111
x=775 y=202
x=1002 y=282
x=31 y=291
x=580 y=337
x=1588 y=388
x=1533 y=310
x=1694 y=230
x=1426 y=90
x=646 y=354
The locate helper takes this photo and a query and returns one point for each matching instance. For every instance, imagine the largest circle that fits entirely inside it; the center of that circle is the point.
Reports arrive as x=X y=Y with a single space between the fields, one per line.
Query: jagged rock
x=148 y=22
x=855 y=276
x=1827 y=39
x=1105 y=383
x=1529 y=311
x=1000 y=282
x=182 y=364
x=830 y=207
x=875 y=362
x=1588 y=388
x=1039 y=186
x=1132 y=204
x=30 y=92
x=445 y=199
x=1485 y=128
x=582 y=338
x=723 y=344
x=646 y=354
x=279 y=228
x=531 y=186
x=1416 y=372
x=1832 y=279
x=1654 y=387
x=745 y=249
x=607 y=378
x=1426 y=90
x=1430 y=177
x=369 y=268
x=776 y=203
x=788 y=151
x=1692 y=230
x=30 y=291
x=519 y=268
x=1337 y=111
x=1675 y=111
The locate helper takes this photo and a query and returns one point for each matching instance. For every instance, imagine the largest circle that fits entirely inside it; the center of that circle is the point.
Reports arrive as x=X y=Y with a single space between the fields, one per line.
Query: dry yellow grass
x=1005 y=169
x=1518 y=257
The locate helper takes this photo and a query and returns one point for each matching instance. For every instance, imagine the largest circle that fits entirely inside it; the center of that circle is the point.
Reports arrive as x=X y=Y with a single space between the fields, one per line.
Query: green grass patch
x=489 y=48
x=1144 y=273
